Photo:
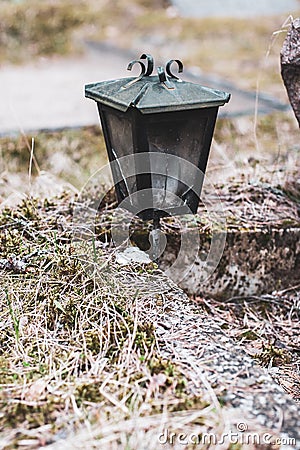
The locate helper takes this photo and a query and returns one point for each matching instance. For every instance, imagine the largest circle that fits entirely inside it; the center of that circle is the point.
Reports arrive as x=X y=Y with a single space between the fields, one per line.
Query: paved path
x=50 y=93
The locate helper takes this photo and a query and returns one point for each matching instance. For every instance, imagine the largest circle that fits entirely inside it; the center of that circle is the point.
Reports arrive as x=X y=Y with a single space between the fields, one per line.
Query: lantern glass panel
x=181 y=134
x=118 y=133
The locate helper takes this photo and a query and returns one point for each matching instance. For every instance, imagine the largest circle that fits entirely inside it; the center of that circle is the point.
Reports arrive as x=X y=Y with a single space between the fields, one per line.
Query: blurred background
x=50 y=49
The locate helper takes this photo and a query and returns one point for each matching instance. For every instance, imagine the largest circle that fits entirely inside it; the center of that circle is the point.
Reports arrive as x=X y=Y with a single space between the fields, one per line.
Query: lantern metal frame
x=131 y=108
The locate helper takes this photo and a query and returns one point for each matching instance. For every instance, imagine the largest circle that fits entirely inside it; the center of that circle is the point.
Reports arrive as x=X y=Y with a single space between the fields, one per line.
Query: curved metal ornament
x=140 y=76
x=163 y=73
x=168 y=68
x=150 y=63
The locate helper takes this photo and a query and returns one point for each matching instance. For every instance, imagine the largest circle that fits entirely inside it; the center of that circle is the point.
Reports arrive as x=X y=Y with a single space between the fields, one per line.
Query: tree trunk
x=290 y=66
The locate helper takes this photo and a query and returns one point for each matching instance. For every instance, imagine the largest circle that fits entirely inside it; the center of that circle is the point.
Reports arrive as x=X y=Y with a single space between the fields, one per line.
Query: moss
x=7 y=375
x=272 y=354
x=121 y=331
x=174 y=378
x=249 y=335
x=160 y=365
x=88 y=392
x=33 y=415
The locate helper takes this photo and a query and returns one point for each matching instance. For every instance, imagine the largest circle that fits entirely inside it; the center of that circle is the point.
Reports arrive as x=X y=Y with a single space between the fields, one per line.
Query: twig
x=30 y=164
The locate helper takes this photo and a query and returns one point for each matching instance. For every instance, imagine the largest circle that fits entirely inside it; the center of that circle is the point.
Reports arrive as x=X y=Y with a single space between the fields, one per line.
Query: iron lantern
x=157 y=115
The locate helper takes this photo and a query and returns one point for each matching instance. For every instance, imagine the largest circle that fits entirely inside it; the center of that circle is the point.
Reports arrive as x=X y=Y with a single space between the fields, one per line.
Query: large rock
x=290 y=65
x=262 y=248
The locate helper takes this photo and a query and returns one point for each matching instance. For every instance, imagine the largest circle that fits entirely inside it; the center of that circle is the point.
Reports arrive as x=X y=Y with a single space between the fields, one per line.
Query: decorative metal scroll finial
x=140 y=76
x=168 y=68
x=163 y=73
x=150 y=63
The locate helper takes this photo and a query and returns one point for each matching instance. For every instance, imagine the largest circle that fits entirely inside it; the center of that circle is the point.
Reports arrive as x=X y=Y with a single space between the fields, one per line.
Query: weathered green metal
x=160 y=118
x=154 y=94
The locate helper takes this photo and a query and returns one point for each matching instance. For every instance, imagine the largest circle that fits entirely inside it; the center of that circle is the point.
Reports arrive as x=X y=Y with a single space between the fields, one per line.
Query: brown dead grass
x=31 y=28
x=78 y=354
x=268 y=328
x=78 y=358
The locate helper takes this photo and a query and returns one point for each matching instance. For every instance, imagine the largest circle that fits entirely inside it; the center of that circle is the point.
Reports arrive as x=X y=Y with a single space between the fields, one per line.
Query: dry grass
x=61 y=159
x=31 y=28
x=76 y=350
x=268 y=329
x=80 y=363
x=79 y=357
x=268 y=151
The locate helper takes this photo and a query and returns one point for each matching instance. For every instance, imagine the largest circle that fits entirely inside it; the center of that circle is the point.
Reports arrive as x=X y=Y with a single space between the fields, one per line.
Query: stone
x=262 y=247
x=132 y=255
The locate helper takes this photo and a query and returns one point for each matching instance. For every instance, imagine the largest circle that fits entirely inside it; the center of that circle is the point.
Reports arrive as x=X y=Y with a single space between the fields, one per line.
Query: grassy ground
x=31 y=28
x=79 y=356
x=72 y=350
x=70 y=155
x=76 y=356
x=68 y=337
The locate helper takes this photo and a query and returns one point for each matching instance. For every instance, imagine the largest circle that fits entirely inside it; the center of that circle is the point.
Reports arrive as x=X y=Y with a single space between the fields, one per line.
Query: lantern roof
x=157 y=93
